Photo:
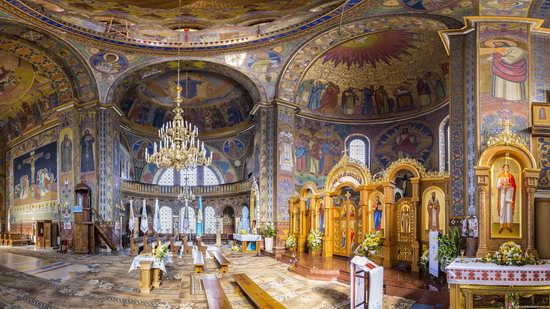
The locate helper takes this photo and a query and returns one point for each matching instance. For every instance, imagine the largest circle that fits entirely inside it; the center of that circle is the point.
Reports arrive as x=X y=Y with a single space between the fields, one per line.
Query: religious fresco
x=506 y=188
x=504 y=7
x=108 y=62
x=376 y=75
x=233 y=148
x=433 y=210
x=376 y=206
x=503 y=78
x=543 y=151
x=66 y=146
x=410 y=140
x=212 y=101
x=35 y=176
x=157 y=20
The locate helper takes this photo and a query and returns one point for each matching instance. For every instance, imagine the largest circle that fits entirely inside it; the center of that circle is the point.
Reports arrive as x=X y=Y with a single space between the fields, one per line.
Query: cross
x=32 y=160
x=348 y=195
x=506 y=125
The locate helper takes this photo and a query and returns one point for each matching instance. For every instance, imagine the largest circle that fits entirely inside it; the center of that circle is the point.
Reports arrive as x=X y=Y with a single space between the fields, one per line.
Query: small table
x=156 y=267
x=249 y=243
x=471 y=282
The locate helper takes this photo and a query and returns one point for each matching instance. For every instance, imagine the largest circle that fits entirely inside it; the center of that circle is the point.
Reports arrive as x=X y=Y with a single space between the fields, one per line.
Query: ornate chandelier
x=179 y=146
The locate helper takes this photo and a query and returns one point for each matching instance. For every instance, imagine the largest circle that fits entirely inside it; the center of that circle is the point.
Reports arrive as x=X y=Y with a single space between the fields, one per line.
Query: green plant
x=268 y=231
x=424 y=262
x=371 y=243
x=314 y=239
x=160 y=252
x=290 y=243
x=449 y=247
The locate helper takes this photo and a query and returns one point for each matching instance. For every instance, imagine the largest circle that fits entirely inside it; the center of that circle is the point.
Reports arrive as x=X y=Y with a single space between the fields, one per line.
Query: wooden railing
x=173 y=191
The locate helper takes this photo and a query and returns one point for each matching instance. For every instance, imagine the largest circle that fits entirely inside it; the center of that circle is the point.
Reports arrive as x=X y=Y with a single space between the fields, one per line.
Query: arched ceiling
x=216 y=96
x=377 y=75
x=38 y=72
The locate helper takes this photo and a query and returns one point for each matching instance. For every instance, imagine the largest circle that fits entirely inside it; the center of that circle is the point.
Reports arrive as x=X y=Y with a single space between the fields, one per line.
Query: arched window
x=210 y=178
x=444 y=145
x=166 y=177
x=209 y=220
x=188 y=219
x=358 y=148
x=245 y=219
x=189 y=175
x=165 y=219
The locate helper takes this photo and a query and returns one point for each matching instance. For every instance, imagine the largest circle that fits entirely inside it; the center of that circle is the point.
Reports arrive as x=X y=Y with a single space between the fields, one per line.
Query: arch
x=209 y=220
x=358 y=148
x=516 y=151
x=61 y=58
x=444 y=145
x=298 y=64
x=347 y=172
x=165 y=214
x=250 y=83
x=410 y=165
x=309 y=186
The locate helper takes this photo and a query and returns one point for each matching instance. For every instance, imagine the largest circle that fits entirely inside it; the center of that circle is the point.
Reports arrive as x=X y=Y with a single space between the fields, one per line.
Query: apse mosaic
x=504 y=7
x=233 y=148
x=411 y=140
x=109 y=62
x=380 y=74
x=208 y=96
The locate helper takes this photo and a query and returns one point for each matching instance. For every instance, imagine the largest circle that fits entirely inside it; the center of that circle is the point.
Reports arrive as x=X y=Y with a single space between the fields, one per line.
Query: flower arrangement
x=160 y=252
x=370 y=244
x=449 y=247
x=235 y=249
x=290 y=243
x=314 y=239
x=424 y=261
x=511 y=254
x=268 y=231
x=242 y=232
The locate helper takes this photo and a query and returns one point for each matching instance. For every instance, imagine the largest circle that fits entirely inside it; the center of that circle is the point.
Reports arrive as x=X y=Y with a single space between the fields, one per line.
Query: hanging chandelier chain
x=179 y=146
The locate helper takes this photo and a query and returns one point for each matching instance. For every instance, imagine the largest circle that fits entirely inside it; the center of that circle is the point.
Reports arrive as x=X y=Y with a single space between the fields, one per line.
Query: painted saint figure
x=433 y=213
x=66 y=154
x=377 y=214
x=508 y=70
x=87 y=154
x=506 y=186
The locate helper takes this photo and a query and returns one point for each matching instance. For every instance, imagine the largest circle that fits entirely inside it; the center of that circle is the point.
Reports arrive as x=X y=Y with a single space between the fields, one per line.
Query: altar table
x=475 y=284
x=151 y=271
x=249 y=243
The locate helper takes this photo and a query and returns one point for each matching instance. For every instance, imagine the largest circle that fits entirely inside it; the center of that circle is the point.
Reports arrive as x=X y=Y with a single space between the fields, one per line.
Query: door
x=345 y=229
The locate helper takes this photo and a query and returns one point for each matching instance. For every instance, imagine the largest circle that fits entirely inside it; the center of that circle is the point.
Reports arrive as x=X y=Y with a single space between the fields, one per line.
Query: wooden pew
x=202 y=248
x=6 y=239
x=2 y=239
x=174 y=248
x=136 y=245
x=259 y=297
x=215 y=295
x=18 y=239
x=221 y=261
x=198 y=262
x=187 y=249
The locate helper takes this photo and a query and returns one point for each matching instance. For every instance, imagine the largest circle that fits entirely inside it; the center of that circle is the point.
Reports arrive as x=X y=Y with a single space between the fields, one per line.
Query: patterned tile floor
x=47 y=279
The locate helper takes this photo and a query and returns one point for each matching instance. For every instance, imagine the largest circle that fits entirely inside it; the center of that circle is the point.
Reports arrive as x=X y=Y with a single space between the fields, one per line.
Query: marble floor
x=48 y=279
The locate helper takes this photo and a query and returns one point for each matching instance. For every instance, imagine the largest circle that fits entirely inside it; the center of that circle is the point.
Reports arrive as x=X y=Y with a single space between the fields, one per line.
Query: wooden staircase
x=106 y=233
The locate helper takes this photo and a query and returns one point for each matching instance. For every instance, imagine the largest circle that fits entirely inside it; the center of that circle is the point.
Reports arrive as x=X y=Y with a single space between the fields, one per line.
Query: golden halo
x=491 y=42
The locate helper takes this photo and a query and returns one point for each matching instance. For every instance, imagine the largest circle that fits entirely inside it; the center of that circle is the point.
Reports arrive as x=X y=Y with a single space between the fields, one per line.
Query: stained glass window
x=444 y=146
x=209 y=220
x=165 y=219
x=210 y=178
x=166 y=178
x=358 y=148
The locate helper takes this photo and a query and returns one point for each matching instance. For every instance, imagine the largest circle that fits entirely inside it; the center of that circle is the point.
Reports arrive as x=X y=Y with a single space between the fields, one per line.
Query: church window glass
x=165 y=219
x=209 y=220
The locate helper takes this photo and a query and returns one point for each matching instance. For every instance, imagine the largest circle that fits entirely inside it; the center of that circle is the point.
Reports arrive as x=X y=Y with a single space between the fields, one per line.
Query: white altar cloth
x=247 y=237
x=156 y=263
x=471 y=272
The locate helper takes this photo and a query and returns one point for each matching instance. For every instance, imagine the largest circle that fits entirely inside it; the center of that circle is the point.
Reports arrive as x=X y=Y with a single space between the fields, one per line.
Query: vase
x=268 y=242
x=372 y=252
x=314 y=252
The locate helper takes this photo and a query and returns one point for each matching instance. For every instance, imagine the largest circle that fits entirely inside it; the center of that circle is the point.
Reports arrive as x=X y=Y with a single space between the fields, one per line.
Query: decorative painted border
x=18 y=8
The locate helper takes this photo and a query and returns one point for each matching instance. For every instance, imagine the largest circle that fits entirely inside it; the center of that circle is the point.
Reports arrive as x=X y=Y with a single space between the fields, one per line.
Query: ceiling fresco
x=377 y=75
x=212 y=100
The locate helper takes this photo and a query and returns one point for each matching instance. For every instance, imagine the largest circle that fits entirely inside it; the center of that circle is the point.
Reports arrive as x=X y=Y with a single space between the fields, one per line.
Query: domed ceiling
x=380 y=75
x=212 y=100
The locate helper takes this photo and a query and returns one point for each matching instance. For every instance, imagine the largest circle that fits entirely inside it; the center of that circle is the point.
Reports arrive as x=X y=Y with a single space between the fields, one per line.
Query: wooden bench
x=2 y=236
x=259 y=297
x=136 y=245
x=221 y=260
x=215 y=295
x=201 y=247
x=174 y=247
x=198 y=262
x=187 y=249
x=19 y=239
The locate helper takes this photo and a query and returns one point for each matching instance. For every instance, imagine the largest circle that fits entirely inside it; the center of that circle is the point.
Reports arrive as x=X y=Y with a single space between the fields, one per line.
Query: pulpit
x=84 y=241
